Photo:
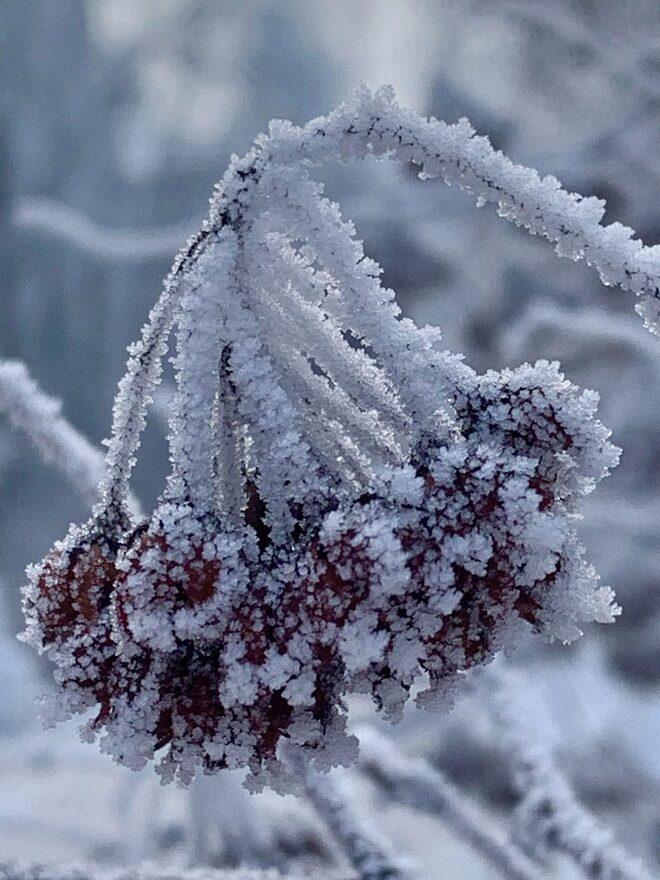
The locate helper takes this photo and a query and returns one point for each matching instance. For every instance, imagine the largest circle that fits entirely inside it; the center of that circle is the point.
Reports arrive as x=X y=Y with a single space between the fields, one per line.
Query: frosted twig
x=580 y=325
x=57 y=219
x=374 y=125
x=367 y=854
x=548 y=806
x=377 y=125
x=134 y=394
x=9 y=871
x=416 y=783
x=40 y=418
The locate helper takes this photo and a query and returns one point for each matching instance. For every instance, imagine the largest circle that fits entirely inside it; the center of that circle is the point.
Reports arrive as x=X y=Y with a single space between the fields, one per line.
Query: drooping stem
x=208 y=294
x=374 y=125
x=288 y=469
x=229 y=455
x=144 y=369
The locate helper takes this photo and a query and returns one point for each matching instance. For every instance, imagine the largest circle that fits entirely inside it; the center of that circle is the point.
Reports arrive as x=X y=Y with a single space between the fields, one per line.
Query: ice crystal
x=350 y=509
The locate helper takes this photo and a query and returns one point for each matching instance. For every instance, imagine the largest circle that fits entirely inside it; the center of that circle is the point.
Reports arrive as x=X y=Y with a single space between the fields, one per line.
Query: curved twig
x=61 y=221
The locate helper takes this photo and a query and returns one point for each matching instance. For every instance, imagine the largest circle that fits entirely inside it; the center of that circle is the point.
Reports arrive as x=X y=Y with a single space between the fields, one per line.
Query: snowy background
x=120 y=115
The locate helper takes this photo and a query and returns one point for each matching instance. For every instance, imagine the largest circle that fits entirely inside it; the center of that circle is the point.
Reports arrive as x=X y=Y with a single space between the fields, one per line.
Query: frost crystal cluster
x=350 y=509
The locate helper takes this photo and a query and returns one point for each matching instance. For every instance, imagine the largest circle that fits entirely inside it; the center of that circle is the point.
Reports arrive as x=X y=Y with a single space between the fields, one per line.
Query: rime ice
x=349 y=507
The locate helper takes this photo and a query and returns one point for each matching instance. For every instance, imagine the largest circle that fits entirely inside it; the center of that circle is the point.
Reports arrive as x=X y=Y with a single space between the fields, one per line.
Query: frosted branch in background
x=92 y=872
x=54 y=219
x=333 y=800
x=416 y=783
x=582 y=324
x=40 y=418
x=552 y=817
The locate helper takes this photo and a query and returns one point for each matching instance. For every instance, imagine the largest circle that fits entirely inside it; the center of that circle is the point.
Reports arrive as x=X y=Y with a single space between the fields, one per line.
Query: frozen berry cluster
x=215 y=644
x=350 y=508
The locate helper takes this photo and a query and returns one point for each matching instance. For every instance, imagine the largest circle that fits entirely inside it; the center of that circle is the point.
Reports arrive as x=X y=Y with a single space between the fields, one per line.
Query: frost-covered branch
x=374 y=125
x=9 y=871
x=332 y=799
x=552 y=817
x=416 y=783
x=40 y=418
x=54 y=218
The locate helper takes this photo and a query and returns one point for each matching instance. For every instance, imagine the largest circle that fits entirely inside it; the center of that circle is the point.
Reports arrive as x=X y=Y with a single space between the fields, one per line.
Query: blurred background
x=126 y=112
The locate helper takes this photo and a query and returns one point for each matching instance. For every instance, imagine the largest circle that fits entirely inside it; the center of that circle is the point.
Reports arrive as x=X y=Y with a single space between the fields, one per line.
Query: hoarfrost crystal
x=350 y=508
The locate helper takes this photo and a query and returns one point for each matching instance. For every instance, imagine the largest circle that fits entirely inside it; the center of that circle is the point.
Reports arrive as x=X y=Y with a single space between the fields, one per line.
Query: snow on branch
x=40 y=418
x=551 y=816
x=10 y=871
x=50 y=217
x=416 y=783
x=333 y=800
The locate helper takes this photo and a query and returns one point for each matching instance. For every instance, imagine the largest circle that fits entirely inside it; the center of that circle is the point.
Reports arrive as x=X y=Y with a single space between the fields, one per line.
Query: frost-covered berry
x=536 y=411
x=177 y=577
x=70 y=589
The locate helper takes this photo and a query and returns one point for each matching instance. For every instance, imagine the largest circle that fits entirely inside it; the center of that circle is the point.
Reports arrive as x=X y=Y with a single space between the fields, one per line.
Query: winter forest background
x=126 y=113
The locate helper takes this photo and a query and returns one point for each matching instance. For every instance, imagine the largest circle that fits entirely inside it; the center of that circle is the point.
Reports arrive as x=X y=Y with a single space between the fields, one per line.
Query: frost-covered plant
x=350 y=509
